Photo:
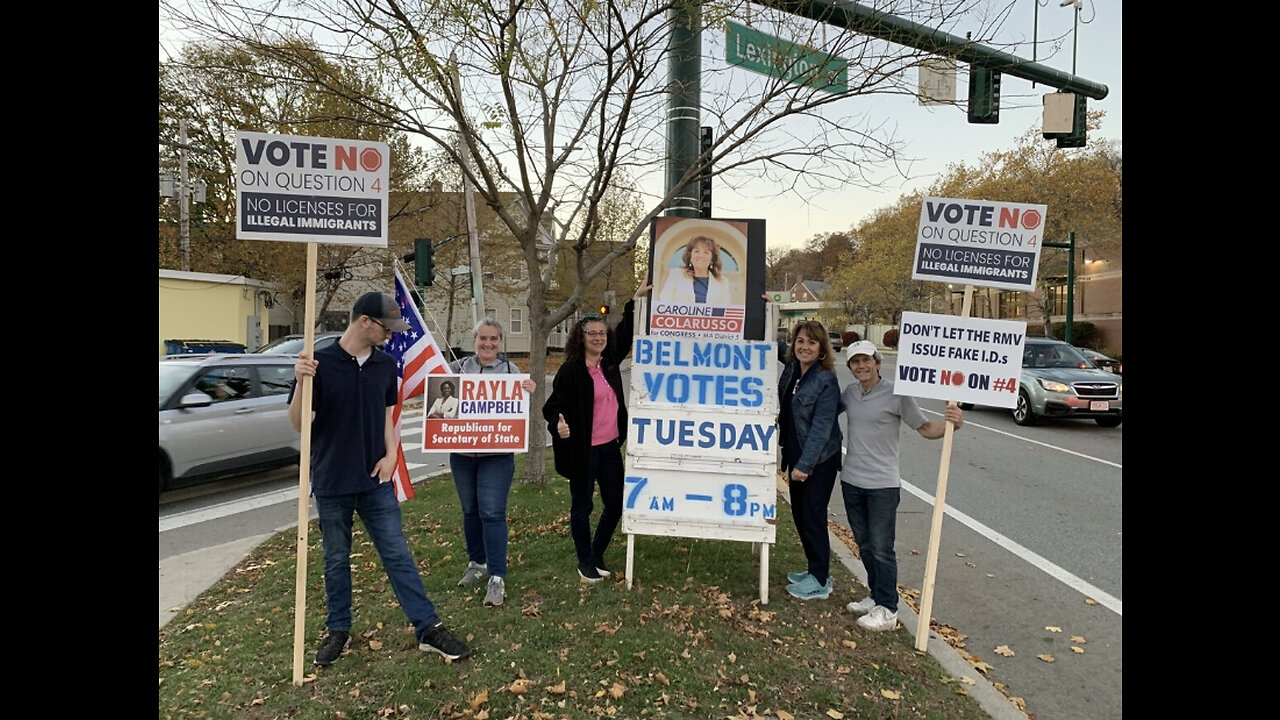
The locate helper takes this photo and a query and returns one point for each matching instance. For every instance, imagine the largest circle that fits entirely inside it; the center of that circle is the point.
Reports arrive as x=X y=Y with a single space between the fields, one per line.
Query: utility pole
x=182 y=191
x=464 y=150
x=184 y=212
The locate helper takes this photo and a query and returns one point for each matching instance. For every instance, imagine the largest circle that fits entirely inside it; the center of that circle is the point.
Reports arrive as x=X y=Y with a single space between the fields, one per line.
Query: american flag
x=728 y=312
x=417 y=355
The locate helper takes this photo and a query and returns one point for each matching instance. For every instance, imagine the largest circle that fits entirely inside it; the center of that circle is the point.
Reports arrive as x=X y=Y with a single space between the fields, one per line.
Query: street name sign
x=775 y=57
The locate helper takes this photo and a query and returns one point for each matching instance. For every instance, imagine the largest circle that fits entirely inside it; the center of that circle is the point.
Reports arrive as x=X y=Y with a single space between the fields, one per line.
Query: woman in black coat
x=586 y=415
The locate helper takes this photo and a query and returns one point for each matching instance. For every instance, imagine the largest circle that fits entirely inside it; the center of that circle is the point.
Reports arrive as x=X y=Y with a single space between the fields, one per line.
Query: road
x=1029 y=566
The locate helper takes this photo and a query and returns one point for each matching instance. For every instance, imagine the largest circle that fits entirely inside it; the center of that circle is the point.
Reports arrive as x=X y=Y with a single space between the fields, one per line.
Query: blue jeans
x=380 y=512
x=483 y=483
x=603 y=467
x=809 y=501
x=873 y=517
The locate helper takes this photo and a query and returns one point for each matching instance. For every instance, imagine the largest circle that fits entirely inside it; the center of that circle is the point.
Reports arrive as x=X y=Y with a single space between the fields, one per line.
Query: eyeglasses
x=595 y=333
x=384 y=327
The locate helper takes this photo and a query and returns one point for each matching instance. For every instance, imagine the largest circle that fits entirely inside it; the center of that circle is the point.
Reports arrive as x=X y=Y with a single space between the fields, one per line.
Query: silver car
x=1057 y=381
x=292 y=344
x=223 y=415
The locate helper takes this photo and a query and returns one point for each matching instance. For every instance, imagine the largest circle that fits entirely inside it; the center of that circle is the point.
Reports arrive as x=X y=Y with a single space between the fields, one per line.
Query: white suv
x=223 y=415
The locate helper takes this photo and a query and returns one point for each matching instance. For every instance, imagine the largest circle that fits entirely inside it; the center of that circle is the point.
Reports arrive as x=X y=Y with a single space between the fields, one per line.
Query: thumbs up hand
x=562 y=427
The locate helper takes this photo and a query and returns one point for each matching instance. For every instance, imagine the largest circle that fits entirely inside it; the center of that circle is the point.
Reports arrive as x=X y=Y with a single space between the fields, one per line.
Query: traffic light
x=1079 y=116
x=1076 y=138
x=984 y=95
x=424 y=261
x=604 y=309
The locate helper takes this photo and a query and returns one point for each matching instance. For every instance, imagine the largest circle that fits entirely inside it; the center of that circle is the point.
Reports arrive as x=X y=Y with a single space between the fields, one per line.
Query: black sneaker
x=588 y=573
x=332 y=648
x=437 y=639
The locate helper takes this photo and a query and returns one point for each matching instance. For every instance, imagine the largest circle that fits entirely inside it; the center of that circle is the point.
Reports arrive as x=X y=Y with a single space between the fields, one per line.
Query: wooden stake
x=304 y=474
x=935 y=529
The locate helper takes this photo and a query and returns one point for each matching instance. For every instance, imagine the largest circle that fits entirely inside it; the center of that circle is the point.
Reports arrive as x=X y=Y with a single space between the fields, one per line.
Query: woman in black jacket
x=587 y=417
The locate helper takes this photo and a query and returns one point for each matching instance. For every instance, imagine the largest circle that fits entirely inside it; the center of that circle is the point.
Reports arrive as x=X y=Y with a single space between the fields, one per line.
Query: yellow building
x=205 y=306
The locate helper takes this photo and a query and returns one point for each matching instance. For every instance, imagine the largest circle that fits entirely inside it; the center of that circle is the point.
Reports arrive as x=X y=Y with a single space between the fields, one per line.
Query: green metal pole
x=684 y=106
x=1070 y=247
x=1071 y=283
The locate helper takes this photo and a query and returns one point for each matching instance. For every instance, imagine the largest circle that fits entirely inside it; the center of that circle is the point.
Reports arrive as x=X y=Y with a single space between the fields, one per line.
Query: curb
x=992 y=701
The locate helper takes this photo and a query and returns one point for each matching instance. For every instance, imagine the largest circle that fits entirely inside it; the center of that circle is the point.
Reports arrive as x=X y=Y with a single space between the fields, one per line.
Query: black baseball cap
x=381 y=307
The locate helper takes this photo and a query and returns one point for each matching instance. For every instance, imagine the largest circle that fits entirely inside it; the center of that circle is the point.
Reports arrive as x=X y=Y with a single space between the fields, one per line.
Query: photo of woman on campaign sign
x=700 y=280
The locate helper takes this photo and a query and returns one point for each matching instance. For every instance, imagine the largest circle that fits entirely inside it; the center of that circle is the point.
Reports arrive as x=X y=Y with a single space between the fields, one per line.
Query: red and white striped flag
x=418 y=355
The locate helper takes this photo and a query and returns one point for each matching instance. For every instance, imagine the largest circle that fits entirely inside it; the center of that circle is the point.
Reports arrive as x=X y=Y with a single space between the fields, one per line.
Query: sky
x=942 y=135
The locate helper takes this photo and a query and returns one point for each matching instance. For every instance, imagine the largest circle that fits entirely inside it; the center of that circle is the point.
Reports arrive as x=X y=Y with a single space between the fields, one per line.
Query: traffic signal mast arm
x=860 y=18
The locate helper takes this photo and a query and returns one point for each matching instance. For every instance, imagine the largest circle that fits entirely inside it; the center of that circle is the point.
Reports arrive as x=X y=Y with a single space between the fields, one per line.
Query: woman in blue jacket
x=809 y=400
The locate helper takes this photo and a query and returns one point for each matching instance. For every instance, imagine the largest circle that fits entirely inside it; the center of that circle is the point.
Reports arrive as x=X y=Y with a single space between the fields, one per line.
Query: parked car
x=292 y=344
x=836 y=342
x=223 y=415
x=1106 y=363
x=1057 y=381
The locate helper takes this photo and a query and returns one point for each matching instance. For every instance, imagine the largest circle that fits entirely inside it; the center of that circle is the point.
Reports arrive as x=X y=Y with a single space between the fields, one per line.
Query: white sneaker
x=879 y=619
x=496 y=593
x=474 y=573
x=862 y=607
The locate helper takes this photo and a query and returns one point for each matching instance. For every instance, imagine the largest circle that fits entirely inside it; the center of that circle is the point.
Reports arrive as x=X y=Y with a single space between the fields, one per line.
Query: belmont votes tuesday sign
x=311 y=189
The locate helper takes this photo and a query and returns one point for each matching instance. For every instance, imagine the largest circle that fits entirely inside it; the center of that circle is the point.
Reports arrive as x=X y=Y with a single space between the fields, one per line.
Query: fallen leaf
x=849 y=644
x=479 y=699
x=983 y=667
x=617 y=691
x=784 y=715
x=1047 y=658
x=1077 y=650
x=1090 y=601
x=375 y=644
x=1003 y=650
x=663 y=679
x=960 y=555
x=836 y=714
x=1078 y=639
x=733 y=657
x=557 y=689
x=1052 y=628
x=990 y=575
x=891 y=694
x=971 y=565
x=520 y=686
x=968 y=680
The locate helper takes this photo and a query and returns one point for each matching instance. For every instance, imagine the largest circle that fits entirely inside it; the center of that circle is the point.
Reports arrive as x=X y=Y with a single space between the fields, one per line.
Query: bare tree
x=556 y=100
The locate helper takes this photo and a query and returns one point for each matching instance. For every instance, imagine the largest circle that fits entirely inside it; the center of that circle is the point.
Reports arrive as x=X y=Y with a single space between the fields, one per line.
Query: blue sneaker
x=795 y=577
x=809 y=589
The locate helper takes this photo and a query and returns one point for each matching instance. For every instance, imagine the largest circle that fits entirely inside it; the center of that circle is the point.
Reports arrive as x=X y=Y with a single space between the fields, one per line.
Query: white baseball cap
x=862 y=347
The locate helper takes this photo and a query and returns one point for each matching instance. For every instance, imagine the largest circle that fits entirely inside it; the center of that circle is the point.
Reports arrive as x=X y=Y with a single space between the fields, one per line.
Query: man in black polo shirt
x=353 y=454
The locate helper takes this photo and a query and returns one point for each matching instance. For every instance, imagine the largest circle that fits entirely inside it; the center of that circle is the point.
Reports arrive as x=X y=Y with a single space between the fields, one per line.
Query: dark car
x=292 y=344
x=223 y=415
x=1058 y=382
x=1106 y=363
